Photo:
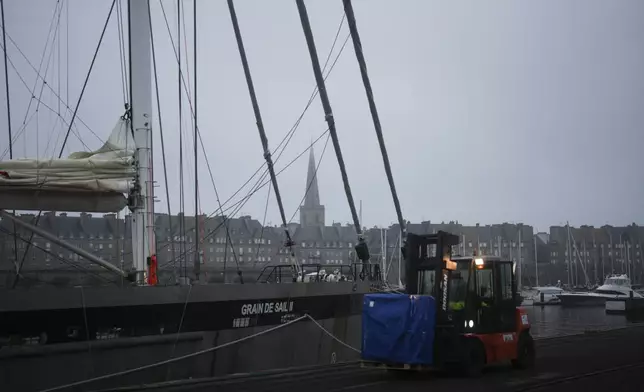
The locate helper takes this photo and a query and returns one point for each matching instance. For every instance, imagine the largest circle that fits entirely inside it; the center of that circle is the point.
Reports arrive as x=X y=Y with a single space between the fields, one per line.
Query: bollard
x=543 y=303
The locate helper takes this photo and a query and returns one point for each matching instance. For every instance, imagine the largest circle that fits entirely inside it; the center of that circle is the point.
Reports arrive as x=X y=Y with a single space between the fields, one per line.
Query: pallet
x=395 y=366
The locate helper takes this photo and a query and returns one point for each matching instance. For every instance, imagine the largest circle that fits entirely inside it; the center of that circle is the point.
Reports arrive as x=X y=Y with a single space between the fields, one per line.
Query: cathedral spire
x=312 y=212
x=312 y=198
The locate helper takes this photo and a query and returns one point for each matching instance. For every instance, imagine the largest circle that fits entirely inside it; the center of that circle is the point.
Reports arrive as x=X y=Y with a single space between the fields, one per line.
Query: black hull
x=582 y=300
x=148 y=322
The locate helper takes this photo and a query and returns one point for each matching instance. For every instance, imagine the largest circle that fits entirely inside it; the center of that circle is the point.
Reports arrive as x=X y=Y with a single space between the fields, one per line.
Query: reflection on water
x=550 y=321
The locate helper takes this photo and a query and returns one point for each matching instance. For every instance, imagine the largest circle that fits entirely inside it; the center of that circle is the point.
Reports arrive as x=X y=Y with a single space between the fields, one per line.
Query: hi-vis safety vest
x=460 y=305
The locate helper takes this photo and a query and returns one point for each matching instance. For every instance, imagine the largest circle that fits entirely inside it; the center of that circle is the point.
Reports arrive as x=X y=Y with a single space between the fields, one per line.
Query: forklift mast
x=430 y=254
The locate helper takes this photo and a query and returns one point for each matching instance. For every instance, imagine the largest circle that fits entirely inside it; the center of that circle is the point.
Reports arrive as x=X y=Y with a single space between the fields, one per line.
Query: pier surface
x=596 y=361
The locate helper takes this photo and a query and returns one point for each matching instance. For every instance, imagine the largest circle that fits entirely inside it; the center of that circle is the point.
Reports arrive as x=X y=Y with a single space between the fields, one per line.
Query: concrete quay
x=595 y=361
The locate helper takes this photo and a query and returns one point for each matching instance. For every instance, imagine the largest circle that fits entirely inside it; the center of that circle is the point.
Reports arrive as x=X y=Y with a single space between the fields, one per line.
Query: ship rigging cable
x=237 y=206
x=357 y=45
x=197 y=260
x=240 y=204
x=42 y=59
x=182 y=218
x=260 y=127
x=361 y=248
x=315 y=173
x=71 y=122
x=35 y=113
x=6 y=83
x=51 y=89
x=184 y=250
x=123 y=59
x=289 y=135
x=163 y=156
x=285 y=141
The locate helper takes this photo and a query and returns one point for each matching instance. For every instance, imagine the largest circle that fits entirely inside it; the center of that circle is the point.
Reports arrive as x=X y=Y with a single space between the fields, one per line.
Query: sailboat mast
x=163 y=156
x=143 y=240
x=197 y=261
x=362 y=249
x=520 y=251
x=611 y=254
x=262 y=133
x=584 y=262
x=603 y=263
x=569 y=256
x=384 y=250
x=536 y=262
x=6 y=81
x=6 y=84
x=357 y=45
x=400 y=236
x=182 y=217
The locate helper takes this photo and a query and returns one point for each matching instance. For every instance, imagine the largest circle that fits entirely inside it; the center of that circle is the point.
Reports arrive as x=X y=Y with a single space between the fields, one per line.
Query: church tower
x=311 y=212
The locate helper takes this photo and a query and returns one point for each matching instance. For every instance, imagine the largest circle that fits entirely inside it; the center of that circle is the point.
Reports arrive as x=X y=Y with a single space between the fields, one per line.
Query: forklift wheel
x=474 y=359
x=526 y=352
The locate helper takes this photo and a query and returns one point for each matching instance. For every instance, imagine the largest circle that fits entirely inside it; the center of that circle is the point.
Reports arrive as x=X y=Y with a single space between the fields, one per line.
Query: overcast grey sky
x=492 y=111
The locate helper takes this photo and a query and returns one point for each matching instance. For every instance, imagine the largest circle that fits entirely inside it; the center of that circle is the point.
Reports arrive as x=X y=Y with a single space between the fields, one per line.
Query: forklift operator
x=460 y=292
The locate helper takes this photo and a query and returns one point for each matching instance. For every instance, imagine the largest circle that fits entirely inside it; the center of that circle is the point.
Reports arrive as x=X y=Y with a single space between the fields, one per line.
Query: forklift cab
x=474 y=295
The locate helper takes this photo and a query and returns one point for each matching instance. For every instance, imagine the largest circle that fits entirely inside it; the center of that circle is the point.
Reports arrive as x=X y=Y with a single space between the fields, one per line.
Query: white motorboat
x=545 y=295
x=617 y=287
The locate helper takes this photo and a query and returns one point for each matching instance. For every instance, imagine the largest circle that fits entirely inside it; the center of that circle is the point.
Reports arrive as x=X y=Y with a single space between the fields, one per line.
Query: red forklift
x=471 y=313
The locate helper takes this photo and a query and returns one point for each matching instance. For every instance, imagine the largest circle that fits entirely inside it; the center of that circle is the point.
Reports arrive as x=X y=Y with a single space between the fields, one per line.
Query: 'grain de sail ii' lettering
x=266 y=308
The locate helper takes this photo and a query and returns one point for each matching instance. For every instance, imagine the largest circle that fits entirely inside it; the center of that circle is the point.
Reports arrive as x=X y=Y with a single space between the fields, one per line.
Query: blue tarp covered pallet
x=398 y=328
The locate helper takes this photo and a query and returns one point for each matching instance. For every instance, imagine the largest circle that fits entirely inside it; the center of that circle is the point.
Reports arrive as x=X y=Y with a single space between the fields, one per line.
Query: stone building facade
x=228 y=246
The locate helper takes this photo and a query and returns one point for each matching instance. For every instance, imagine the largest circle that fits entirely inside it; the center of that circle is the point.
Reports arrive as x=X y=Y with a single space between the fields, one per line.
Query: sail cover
x=108 y=169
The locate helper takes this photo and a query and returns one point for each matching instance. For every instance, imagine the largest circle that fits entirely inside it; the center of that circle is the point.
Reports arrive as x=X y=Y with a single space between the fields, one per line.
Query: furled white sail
x=108 y=169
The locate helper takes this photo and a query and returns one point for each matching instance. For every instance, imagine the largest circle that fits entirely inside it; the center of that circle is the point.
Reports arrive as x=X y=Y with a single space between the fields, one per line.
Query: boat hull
x=581 y=300
x=615 y=306
x=206 y=324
